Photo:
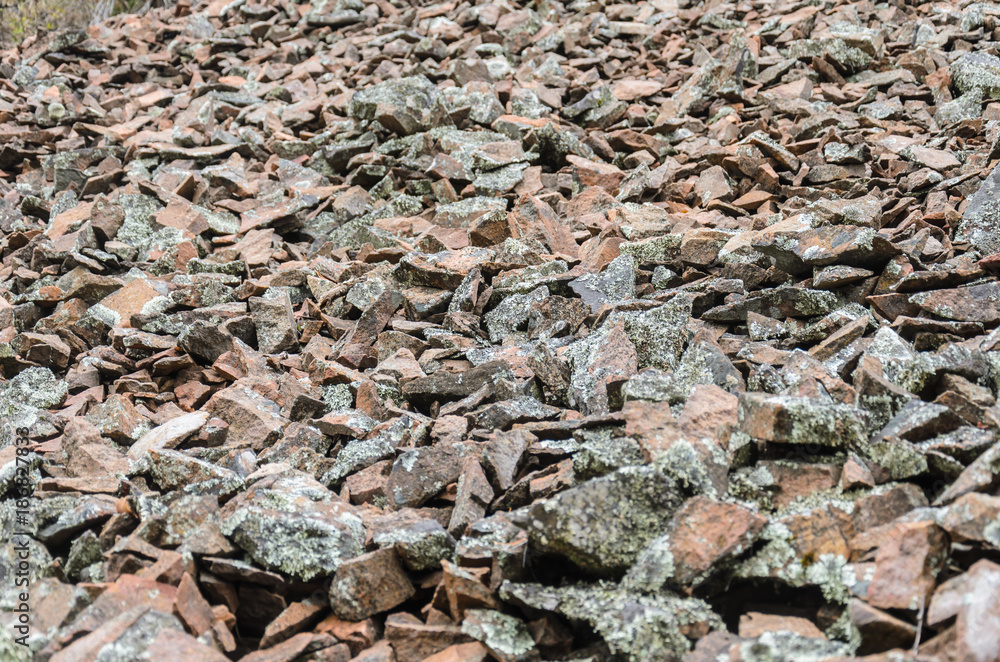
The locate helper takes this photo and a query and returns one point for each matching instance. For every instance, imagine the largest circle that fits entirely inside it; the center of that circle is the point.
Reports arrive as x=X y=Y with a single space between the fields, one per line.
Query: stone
x=797 y=420
x=169 y=435
x=253 y=419
x=906 y=566
x=276 y=328
x=702 y=534
x=406 y=106
x=369 y=584
x=633 y=504
x=755 y=624
x=421 y=473
x=639 y=627
x=968 y=596
x=294 y=512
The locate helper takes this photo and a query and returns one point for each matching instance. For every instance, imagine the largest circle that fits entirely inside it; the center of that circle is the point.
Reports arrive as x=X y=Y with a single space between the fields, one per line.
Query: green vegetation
x=20 y=19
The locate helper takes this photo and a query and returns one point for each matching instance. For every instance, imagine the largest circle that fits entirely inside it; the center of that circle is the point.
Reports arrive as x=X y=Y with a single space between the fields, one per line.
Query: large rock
x=406 y=105
x=603 y=524
x=637 y=627
x=293 y=524
x=980 y=224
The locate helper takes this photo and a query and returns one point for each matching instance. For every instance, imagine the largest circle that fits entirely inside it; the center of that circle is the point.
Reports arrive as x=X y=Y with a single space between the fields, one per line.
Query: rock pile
x=385 y=331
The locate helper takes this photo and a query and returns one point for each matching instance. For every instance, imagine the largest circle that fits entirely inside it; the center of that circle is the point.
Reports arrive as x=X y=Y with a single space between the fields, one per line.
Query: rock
x=512 y=314
x=369 y=584
x=975 y=517
x=977 y=72
x=793 y=420
x=421 y=473
x=406 y=106
x=906 y=566
x=968 y=596
x=616 y=283
x=169 y=435
x=294 y=512
x=879 y=630
x=633 y=503
x=444 y=387
x=756 y=624
x=421 y=546
x=982 y=216
x=276 y=328
x=605 y=357
x=702 y=533
x=636 y=626
x=253 y=419
x=505 y=637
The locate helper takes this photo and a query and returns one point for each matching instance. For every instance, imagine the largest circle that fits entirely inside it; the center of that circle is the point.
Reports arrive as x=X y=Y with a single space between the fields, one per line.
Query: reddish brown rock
x=907 y=565
x=369 y=584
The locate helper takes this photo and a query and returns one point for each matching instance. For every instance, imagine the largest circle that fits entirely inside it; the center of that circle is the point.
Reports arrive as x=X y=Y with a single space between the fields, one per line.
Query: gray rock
x=511 y=315
x=615 y=283
x=419 y=474
x=980 y=223
x=506 y=637
x=293 y=524
x=977 y=72
x=639 y=628
x=275 y=322
x=405 y=105
x=605 y=356
x=659 y=334
x=603 y=524
x=446 y=386
x=421 y=545
x=36 y=387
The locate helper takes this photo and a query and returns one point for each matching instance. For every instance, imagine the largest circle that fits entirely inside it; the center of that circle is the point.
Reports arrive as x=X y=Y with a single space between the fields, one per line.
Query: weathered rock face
x=981 y=219
x=602 y=524
x=406 y=106
x=394 y=331
x=295 y=525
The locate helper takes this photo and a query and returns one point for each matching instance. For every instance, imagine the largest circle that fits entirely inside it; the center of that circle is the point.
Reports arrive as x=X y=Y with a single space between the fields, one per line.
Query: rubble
x=379 y=331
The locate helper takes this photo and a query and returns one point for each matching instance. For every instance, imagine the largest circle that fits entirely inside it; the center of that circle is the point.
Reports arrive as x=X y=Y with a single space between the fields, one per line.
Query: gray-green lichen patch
x=664 y=248
x=697 y=466
x=601 y=453
x=980 y=224
x=977 y=72
x=421 y=546
x=603 y=524
x=784 y=646
x=507 y=637
x=36 y=387
x=405 y=105
x=616 y=283
x=778 y=559
x=834 y=49
x=659 y=334
x=357 y=455
x=638 y=627
x=356 y=233
x=293 y=524
x=652 y=385
x=527 y=278
x=603 y=355
x=653 y=569
x=138 y=229
x=800 y=420
x=511 y=315
x=899 y=459
x=338 y=397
